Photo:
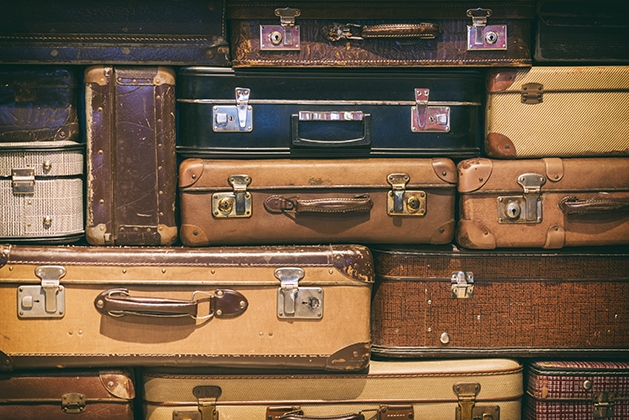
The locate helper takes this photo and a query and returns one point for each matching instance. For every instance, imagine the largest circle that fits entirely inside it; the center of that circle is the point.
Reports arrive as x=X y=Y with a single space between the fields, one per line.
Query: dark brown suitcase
x=576 y=390
x=402 y=33
x=131 y=162
x=454 y=302
x=67 y=394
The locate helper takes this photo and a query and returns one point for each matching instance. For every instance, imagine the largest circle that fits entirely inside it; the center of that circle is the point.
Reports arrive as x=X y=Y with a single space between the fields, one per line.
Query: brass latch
x=603 y=404
x=467 y=409
x=23 y=181
x=73 y=403
x=206 y=403
x=295 y=302
x=282 y=37
x=234 y=118
x=236 y=203
x=532 y=93
x=462 y=284
x=403 y=202
x=426 y=118
x=526 y=208
x=46 y=300
x=481 y=36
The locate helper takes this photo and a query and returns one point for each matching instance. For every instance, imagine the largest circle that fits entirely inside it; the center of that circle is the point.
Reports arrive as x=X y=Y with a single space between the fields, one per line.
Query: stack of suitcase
x=303 y=210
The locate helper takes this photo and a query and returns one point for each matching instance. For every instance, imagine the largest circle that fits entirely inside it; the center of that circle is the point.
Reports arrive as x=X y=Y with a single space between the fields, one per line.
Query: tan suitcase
x=543 y=203
x=436 y=390
x=305 y=307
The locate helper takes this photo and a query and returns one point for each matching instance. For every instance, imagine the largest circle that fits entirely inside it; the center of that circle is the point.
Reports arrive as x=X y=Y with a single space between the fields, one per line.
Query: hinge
x=532 y=93
x=603 y=404
x=403 y=202
x=526 y=208
x=282 y=37
x=234 y=119
x=236 y=203
x=462 y=284
x=467 y=409
x=426 y=118
x=481 y=36
x=46 y=300
x=295 y=302
x=73 y=403
x=23 y=181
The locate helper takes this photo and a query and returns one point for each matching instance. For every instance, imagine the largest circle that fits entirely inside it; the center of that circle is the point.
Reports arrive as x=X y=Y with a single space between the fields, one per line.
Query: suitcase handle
x=357 y=204
x=224 y=303
x=334 y=117
x=339 y=31
x=572 y=206
x=350 y=416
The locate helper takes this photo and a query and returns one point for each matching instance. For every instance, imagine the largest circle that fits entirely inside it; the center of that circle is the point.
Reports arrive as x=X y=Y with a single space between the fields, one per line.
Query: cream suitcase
x=396 y=390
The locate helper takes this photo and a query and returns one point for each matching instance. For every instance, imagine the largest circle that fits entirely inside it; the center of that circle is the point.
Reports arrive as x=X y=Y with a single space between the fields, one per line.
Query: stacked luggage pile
x=314 y=210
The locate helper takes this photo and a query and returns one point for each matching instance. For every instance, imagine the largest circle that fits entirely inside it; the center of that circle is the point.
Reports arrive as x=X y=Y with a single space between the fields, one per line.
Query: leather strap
x=279 y=204
x=350 y=416
x=339 y=31
x=573 y=206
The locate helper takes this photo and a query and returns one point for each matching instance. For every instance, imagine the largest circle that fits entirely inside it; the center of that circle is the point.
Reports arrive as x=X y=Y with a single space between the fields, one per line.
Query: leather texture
x=38 y=104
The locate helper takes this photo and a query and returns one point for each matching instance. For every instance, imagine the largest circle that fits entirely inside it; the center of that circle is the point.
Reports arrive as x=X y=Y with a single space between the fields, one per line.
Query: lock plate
x=234 y=118
x=526 y=208
x=427 y=119
x=23 y=181
x=462 y=284
x=282 y=37
x=403 y=202
x=233 y=204
x=46 y=300
x=294 y=301
x=483 y=37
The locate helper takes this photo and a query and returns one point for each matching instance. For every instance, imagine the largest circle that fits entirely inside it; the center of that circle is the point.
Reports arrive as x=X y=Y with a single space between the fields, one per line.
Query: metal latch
x=23 y=181
x=532 y=93
x=462 y=284
x=230 y=118
x=603 y=404
x=295 y=302
x=467 y=408
x=236 y=203
x=395 y=412
x=277 y=412
x=282 y=37
x=403 y=202
x=426 y=118
x=73 y=403
x=206 y=402
x=526 y=208
x=481 y=36
x=46 y=300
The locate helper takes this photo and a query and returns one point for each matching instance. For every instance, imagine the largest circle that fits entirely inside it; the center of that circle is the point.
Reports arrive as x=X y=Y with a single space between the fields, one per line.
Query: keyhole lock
x=513 y=210
x=412 y=204
x=314 y=303
x=491 y=37
x=275 y=37
x=226 y=204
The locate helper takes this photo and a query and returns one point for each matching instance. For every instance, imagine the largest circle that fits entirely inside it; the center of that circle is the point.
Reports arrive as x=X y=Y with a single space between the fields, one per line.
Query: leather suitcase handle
x=224 y=303
x=322 y=117
x=358 y=204
x=340 y=31
x=350 y=416
x=572 y=206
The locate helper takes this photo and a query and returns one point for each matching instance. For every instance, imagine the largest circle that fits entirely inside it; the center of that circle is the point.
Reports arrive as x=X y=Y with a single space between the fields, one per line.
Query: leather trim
x=5 y=252
x=445 y=169
x=501 y=80
x=6 y=363
x=164 y=76
x=554 y=169
x=444 y=234
x=98 y=235
x=472 y=234
x=355 y=261
x=98 y=74
x=473 y=174
x=118 y=383
x=353 y=357
x=499 y=146
x=190 y=172
x=555 y=237
x=192 y=235
x=168 y=234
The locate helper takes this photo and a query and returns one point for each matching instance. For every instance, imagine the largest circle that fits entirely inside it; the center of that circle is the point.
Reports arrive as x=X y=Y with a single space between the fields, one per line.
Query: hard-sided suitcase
x=64 y=394
x=317 y=201
x=328 y=113
x=558 y=112
x=41 y=191
x=402 y=33
x=438 y=390
x=448 y=302
x=578 y=390
x=38 y=103
x=303 y=307
x=582 y=31
x=182 y=32
x=543 y=203
x=131 y=161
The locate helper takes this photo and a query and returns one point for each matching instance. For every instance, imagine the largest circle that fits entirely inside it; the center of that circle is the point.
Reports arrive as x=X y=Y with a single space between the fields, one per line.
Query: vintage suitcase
x=543 y=203
x=578 y=390
x=448 y=302
x=182 y=32
x=582 y=31
x=224 y=202
x=559 y=112
x=63 y=394
x=72 y=306
x=333 y=113
x=131 y=161
x=37 y=103
x=437 y=390
x=41 y=191
x=405 y=33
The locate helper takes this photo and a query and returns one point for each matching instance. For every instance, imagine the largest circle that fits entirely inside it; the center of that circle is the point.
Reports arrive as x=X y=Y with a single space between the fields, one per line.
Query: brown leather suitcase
x=449 y=302
x=543 y=203
x=401 y=33
x=62 y=394
x=284 y=201
x=131 y=162
x=277 y=307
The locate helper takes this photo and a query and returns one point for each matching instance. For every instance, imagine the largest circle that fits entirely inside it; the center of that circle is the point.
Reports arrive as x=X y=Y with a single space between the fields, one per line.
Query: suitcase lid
x=41 y=159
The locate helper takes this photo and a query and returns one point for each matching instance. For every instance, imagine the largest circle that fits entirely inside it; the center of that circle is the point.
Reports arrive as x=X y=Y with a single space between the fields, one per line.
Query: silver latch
x=467 y=409
x=73 y=403
x=603 y=404
x=23 y=181
x=236 y=203
x=526 y=208
x=426 y=118
x=403 y=202
x=230 y=118
x=46 y=300
x=282 y=37
x=462 y=284
x=295 y=302
x=481 y=36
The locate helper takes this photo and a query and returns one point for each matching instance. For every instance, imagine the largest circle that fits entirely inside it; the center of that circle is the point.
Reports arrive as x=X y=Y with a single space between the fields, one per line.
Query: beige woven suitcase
x=436 y=390
x=558 y=112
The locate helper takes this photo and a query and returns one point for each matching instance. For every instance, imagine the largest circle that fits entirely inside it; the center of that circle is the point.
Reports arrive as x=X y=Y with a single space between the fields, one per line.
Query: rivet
x=219 y=312
x=429 y=301
x=429 y=329
x=124 y=271
x=444 y=173
x=126 y=50
x=101 y=201
x=480 y=179
x=213 y=271
x=587 y=385
x=163 y=270
x=193 y=176
x=219 y=293
x=100 y=303
x=54 y=53
x=242 y=303
x=445 y=338
x=331 y=272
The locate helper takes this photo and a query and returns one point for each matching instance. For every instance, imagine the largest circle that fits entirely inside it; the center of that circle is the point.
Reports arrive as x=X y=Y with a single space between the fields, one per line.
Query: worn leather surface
x=38 y=104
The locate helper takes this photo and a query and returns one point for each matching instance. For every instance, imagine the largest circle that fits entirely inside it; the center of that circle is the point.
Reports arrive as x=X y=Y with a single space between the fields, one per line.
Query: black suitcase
x=328 y=113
